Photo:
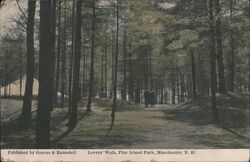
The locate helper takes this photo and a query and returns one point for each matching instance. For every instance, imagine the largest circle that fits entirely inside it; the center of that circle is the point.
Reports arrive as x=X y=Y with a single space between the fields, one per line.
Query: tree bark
x=116 y=66
x=45 y=95
x=58 y=59
x=218 y=35
x=5 y=74
x=53 y=38
x=92 y=70
x=213 y=63
x=130 y=87
x=232 y=64
x=63 y=65
x=106 y=65
x=84 y=70
x=112 y=64
x=173 y=89
x=71 y=56
x=124 y=95
x=193 y=75
x=25 y=117
x=77 y=64
x=21 y=68
x=102 y=73
x=201 y=86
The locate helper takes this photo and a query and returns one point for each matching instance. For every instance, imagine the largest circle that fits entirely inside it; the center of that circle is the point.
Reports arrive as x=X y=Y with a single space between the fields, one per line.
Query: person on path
x=146 y=98
x=152 y=98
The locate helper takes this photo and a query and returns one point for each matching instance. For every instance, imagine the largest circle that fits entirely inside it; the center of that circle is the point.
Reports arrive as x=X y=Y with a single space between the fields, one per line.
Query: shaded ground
x=166 y=126
x=11 y=109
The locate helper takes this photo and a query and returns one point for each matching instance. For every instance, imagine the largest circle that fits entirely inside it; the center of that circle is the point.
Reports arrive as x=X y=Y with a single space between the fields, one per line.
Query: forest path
x=163 y=127
x=184 y=126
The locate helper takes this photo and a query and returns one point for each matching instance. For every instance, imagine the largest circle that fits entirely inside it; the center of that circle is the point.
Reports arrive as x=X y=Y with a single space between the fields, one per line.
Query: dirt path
x=163 y=127
x=151 y=128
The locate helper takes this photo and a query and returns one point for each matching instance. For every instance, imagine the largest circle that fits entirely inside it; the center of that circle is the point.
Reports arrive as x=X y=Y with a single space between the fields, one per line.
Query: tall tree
x=77 y=64
x=21 y=67
x=84 y=70
x=71 y=56
x=58 y=54
x=193 y=74
x=112 y=62
x=218 y=35
x=232 y=64
x=92 y=70
x=53 y=37
x=116 y=67
x=64 y=49
x=213 y=80
x=130 y=85
x=102 y=73
x=45 y=94
x=173 y=86
x=106 y=64
x=25 y=116
x=124 y=96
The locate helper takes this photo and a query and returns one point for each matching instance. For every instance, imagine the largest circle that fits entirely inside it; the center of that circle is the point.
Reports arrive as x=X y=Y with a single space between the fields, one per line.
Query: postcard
x=125 y=80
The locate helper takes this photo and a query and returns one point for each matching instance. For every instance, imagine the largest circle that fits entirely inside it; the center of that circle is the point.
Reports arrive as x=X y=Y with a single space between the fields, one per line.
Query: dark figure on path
x=152 y=99
x=146 y=97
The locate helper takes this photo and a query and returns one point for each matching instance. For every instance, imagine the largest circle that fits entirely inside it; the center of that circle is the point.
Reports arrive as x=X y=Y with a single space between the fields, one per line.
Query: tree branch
x=26 y=19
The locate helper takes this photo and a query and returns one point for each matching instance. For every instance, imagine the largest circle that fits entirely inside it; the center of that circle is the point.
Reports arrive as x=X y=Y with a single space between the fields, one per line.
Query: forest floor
x=183 y=126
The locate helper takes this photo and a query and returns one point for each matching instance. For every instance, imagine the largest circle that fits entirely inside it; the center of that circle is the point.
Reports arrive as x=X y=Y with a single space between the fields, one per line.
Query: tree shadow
x=200 y=113
x=14 y=115
x=71 y=127
x=63 y=135
x=193 y=116
x=186 y=105
x=219 y=141
x=60 y=120
x=234 y=132
x=233 y=121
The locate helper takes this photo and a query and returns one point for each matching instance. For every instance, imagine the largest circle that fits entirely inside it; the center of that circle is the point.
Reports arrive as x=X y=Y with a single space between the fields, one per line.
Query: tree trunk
x=9 y=89
x=213 y=81
x=182 y=88
x=130 y=87
x=53 y=38
x=106 y=65
x=116 y=67
x=58 y=59
x=25 y=117
x=162 y=87
x=92 y=70
x=201 y=86
x=84 y=70
x=218 y=35
x=102 y=73
x=112 y=64
x=71 y=56
x=232 y=64
x=124 y=95
x=5 y=74
x=173 y=89
x=188 y=87
x=63 y=65
x=173 y=86
x=178 y=87
x=21 y=69
x=193 y=75
x=77 y=63
x=45 y=95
